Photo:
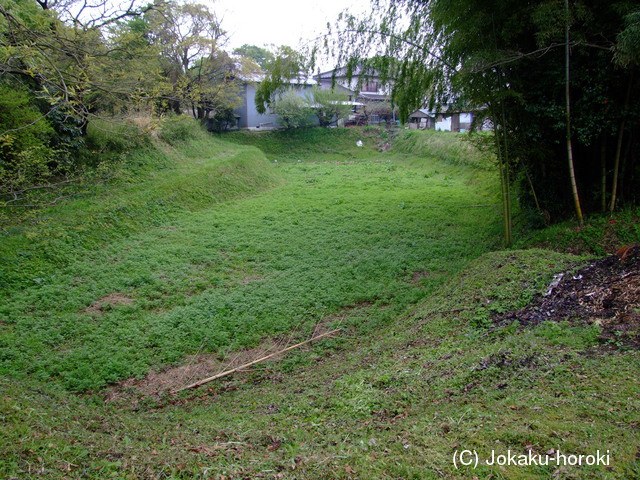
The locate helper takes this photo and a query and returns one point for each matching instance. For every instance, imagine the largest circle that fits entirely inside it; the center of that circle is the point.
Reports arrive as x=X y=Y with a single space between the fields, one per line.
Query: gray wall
x=250 y=118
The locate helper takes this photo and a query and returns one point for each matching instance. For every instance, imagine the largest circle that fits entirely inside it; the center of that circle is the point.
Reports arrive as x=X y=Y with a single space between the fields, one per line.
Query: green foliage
x=175 y=129
x=222 y=121
x=292 y=110
x=114 y=137
x=628 y=41
x=73 y=68
x=328 y=105
x=263 y=57
x=287 y=65
x=26 y=156
x=444 y=146
x=507 y=62
x=601 y=234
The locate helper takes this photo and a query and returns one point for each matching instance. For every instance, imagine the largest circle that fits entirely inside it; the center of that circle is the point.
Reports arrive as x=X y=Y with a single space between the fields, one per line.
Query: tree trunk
x=603 y=169
x=616 y=167
x=503 y=167
x=572 y=173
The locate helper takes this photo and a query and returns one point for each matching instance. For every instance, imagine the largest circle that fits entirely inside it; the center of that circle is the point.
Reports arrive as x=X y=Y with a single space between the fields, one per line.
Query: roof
x=422 y=113
x=341 y=72
x=299 y=80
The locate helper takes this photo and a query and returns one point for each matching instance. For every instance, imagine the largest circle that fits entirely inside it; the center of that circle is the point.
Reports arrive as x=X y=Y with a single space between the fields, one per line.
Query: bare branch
x=17 y=129
x=31 y=205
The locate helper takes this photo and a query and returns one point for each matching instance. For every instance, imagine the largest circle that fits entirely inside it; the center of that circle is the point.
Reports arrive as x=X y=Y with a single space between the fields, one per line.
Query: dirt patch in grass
x=194 y=368
x=416 y=277
x=99 y=306
x=201 y=366
x=251 y=278
x=606 y=292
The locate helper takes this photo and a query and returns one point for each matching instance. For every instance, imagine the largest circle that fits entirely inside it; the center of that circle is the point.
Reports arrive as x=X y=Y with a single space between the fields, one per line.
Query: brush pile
x=606 y=292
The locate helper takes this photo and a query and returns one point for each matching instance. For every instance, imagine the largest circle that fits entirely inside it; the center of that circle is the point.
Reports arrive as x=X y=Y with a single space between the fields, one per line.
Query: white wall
x=444 y=125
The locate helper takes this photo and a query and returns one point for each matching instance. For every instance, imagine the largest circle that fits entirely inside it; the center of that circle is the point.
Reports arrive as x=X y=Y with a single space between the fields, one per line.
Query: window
x=370 y=87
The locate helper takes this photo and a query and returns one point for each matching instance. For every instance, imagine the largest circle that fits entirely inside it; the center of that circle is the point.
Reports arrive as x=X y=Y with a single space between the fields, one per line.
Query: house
x=445 y=120
x=422 y=120
x=246 y=114
x=369 y=96
x=359 y=87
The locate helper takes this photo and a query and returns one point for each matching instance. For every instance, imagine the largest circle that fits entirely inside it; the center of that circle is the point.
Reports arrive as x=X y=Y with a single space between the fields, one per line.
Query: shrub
x=179 y=128
x=26 y=156
x=292 y=110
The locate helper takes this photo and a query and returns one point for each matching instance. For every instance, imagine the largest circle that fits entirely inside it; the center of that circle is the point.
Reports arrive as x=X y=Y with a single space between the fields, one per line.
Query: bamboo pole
x=616 y=168
x=242 y=367
x=572 y=172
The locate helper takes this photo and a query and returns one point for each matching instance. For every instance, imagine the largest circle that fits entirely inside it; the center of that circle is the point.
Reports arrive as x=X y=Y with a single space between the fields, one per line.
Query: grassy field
x=392 y=248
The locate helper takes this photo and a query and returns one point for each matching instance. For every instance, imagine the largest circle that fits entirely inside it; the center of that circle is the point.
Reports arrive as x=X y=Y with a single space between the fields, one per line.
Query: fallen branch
x=242 y=367
x=40 y=205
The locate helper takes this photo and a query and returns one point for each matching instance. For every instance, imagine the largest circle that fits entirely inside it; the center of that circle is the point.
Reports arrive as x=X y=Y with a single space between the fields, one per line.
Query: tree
x=508 y=61
x=52 y=70
x=328 y=105
x=261 y=56
x=25 y=142
x=383 y=109
x=287 y=65
x=292 y=110
x=213 y=86
x=188 y=38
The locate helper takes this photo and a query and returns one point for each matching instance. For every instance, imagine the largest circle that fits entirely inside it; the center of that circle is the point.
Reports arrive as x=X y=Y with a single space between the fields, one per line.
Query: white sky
x=278 y=22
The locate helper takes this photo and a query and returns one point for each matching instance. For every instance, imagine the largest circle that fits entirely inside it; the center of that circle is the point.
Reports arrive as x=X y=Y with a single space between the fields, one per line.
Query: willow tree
x=415 y=46
x=507 y=61
x=287 y=64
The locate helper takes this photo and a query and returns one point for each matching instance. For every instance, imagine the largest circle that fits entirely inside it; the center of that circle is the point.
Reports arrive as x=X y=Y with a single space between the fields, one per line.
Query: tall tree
x=287 y=65
x=188 y=36
x=567 y=95
x=263 y=57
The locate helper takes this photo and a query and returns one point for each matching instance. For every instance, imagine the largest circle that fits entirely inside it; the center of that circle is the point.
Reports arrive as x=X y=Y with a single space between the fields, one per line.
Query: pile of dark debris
x=606 y=292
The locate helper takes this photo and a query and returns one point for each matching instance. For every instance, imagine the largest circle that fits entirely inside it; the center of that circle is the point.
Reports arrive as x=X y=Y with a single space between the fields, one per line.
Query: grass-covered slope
x=394 y=404
x=156 y=182
x=382 y=229
x=338 y=143
x=394 y=249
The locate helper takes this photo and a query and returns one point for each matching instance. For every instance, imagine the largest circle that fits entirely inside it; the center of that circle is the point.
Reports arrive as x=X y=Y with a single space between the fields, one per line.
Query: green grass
x=600 y=235
x=201 y=173
x=335 y=234
x=396 y=403
x=447 y=147
x=394 y=248
x=292 y=144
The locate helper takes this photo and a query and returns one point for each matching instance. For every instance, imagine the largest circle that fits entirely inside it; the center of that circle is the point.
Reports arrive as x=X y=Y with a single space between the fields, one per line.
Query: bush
x=26 y=156
x=179 y=128
x=292 y=110
x=222 y=121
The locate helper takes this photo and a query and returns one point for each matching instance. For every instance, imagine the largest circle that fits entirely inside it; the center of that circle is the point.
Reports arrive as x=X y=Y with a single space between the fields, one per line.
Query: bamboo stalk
x=242 y=367
x=616 y=168
x=572 y=172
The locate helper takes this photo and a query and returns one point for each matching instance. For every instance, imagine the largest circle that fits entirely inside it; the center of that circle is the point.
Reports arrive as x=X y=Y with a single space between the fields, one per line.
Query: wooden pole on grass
x=242 y=367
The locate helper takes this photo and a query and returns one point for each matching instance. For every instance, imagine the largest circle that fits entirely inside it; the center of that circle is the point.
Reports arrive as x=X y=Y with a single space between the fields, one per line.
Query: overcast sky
x=278 y=22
